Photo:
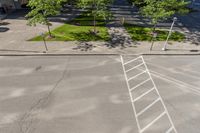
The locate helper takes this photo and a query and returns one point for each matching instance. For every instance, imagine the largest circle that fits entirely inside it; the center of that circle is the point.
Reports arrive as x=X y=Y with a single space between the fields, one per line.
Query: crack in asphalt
x=28 y=121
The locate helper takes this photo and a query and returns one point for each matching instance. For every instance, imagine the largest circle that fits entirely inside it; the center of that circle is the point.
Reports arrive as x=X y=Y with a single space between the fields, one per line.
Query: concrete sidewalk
x=37 y=48
x=14 y=34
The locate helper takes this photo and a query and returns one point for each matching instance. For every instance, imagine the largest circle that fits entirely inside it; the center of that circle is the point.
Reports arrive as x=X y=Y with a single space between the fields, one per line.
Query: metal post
x=45 y=44
x=169 y=34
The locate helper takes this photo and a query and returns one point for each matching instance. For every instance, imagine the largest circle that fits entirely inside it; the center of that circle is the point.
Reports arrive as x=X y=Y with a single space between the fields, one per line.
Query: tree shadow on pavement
x=119 y=37
x=65 y=16
x=67 y=13
x=119 y=40
x=191 y=23
x=193 y=36
x=84 y=46
x=18 y=14
x=89 y=36
x=4 y=23
x=189 y=50
x=3 y=29
x=61 y=18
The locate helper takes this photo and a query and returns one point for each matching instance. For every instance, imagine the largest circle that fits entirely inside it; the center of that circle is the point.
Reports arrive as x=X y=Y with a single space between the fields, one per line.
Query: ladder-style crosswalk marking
x=135 y=67
x=147 y=92
x=149 y=106
x=152 y=122
x=169 y=130
x=131 y=61
x=133 y=88
x=137 y=75
x=137 y=86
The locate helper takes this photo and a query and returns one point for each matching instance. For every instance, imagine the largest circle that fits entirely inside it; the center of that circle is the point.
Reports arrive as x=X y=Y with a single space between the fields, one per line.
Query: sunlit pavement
x=88 y=94
x=178 y=81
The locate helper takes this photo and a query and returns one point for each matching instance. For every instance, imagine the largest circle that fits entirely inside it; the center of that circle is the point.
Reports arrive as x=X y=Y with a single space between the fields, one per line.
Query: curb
x=146 y=54
x=59 y=54
x=96 y=54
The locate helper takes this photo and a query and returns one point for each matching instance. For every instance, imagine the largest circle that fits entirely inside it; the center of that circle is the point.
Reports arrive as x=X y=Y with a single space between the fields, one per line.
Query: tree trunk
x=153 y=37
x=95 y=30
x=94 y=22
x=154 y=28
x=49 y=31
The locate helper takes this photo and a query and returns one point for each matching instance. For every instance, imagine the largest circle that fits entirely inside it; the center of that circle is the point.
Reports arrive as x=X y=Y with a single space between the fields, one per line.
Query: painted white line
x=161 y=67
x=149 y=106
x=131 y=60
x=152 y=122
x=128 y=86
x=137 y=75
x=192 y=71
x=194 y=89
x=160 y=97
x=169 y=130
x=146 y=108
x=144 y=94
x=135 y=67
x=140 y=84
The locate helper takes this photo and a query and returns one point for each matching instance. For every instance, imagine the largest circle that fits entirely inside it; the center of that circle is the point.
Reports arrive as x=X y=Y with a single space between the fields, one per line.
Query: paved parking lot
x=89 y=94
x=178 y=81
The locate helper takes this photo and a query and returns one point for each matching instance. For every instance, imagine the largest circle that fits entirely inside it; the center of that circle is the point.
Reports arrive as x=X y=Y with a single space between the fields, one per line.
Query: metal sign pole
x=45 y=44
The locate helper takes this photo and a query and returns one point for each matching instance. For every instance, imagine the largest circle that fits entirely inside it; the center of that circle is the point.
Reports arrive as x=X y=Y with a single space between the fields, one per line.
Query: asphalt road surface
x=178 y=81
x=88 y=94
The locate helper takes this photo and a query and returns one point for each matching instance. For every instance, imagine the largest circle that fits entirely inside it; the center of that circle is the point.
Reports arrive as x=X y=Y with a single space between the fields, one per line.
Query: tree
x=162 y=10
x=138 y=3
x=71 y=2
x=97 y=8
x=41 y=10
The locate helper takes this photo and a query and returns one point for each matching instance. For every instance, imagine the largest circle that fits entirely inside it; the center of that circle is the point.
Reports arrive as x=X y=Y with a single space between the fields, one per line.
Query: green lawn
x=69 y=32
x=78 y=29
x=139 y=33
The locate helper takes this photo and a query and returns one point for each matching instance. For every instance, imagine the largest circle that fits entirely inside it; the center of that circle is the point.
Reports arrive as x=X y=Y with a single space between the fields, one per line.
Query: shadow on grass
x=89 y=36
x=73 y=36
x=140 y=33
x=87 y=20
x=99 y=23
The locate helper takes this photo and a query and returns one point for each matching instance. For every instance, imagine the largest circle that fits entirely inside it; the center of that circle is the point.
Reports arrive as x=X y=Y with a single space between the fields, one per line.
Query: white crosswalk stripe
x=154 y=89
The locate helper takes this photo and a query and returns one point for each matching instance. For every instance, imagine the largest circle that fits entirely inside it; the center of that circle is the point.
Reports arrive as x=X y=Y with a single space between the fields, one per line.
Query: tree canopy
x=164 y=9
x=96 y=8
x=41 y=10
